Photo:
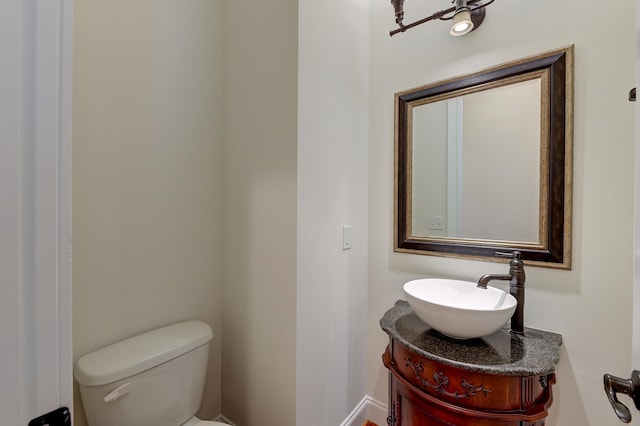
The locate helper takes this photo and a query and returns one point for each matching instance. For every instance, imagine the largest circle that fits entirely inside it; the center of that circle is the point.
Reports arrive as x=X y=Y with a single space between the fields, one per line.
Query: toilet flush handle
x=118 y=392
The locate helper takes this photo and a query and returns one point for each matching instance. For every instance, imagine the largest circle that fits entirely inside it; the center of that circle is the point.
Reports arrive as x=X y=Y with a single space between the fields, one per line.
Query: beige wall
x=589 y=305
x=259 y=310
x=333 y=139
x=147 y=173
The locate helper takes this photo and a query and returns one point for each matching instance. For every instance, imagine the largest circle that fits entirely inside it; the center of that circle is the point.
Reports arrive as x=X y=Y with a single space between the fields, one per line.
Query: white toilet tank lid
x=139 y=353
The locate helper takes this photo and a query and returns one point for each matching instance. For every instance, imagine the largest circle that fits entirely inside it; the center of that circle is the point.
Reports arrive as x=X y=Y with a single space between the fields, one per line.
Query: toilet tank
x=155 y=378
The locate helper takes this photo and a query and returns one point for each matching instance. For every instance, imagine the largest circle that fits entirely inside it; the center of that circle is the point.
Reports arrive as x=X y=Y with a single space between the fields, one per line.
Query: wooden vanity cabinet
x=423 y=392
x=503 y=379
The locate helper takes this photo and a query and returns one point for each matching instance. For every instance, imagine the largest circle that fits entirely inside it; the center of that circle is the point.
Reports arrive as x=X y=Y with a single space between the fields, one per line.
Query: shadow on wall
x=566 y=385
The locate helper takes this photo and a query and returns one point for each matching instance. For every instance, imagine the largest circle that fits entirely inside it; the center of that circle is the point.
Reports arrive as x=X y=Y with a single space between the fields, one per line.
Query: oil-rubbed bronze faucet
x=516 y=289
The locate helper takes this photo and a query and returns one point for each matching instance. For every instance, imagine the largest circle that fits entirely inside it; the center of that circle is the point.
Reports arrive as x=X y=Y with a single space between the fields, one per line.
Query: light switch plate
x=346 y=237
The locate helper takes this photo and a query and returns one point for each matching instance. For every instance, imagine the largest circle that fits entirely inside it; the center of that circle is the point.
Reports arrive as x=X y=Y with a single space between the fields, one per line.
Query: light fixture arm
x=399 y=12
x=461 y=4
x=398 y=6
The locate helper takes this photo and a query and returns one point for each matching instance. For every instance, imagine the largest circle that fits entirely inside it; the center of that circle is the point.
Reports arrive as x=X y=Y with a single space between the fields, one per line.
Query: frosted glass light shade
x=461 y=23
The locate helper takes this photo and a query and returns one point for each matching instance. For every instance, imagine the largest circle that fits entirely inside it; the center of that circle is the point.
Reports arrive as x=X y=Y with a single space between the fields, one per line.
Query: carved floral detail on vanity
x=442 y=382
x=500 y=380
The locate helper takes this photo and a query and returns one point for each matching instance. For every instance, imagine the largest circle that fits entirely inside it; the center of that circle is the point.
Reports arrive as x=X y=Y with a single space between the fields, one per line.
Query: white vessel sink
x=459 y=309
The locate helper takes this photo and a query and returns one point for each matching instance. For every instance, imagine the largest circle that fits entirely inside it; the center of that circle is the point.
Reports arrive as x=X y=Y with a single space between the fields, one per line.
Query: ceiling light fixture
x=467 y=15
x=462 y=23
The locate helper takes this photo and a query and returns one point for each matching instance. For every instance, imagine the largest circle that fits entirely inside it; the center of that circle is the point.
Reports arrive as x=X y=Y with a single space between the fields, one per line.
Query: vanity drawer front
x=411 y=407
x=467 y=388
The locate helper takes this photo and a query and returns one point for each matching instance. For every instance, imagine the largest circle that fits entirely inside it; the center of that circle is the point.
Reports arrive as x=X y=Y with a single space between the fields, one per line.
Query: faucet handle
x=513 y=254
x=516 y=256
x=516 y=266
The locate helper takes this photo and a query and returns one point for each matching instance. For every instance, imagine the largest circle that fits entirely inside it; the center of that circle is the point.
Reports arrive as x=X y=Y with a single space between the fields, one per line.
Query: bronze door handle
x=631 y=387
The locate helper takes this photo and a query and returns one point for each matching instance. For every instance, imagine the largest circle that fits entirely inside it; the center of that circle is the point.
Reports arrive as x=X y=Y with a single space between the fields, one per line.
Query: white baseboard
x=367 y=409
x=223 y=419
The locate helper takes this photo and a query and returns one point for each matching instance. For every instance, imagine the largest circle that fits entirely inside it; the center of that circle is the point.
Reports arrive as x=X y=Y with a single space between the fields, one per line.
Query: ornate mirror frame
x=553 y=249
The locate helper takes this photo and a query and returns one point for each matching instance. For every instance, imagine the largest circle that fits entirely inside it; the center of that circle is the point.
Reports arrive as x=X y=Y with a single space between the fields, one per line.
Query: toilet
x=152 y=379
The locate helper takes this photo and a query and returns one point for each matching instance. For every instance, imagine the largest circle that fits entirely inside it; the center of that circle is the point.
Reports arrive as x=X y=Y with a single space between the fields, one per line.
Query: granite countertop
x=501 y=353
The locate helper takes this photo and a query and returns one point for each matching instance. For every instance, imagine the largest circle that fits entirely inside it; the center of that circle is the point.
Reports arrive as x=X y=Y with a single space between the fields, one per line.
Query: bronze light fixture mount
x=474 y=8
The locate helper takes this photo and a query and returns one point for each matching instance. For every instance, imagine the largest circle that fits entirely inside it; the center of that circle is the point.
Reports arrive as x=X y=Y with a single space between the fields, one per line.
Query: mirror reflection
x=476 y=165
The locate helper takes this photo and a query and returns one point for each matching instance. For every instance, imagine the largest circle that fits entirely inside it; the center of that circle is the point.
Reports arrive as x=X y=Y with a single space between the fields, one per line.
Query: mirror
x=484 y=163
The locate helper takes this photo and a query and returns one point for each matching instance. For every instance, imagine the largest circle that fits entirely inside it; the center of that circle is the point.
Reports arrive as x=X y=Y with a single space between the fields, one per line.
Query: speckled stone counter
x=501 y=353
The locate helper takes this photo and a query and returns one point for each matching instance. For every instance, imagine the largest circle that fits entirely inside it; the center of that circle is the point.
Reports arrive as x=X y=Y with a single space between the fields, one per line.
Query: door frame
x=35 y=208
x=635 y=329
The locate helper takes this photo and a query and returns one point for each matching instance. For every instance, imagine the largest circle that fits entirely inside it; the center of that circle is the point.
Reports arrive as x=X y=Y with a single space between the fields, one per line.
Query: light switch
x=346 y=237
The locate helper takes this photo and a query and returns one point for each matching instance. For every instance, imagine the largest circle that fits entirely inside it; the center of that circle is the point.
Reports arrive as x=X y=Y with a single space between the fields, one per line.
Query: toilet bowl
x=155 y=378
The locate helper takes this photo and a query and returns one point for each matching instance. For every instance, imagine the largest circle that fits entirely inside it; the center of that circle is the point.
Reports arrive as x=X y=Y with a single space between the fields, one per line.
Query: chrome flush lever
x=631 y=387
